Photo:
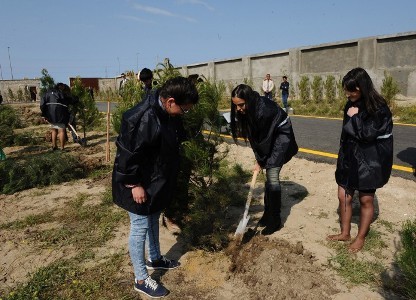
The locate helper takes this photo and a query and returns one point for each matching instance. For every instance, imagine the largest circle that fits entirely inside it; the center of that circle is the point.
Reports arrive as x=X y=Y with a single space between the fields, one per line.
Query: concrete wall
x=16 y=85
x=395 y=54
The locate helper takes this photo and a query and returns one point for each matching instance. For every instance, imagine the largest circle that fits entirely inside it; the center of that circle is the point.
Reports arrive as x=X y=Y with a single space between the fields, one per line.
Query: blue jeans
x=143 y=229
x=284 y=100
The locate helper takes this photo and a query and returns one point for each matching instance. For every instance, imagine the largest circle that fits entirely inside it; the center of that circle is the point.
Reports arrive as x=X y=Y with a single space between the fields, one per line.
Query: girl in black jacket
x=365 y=155
x=269 y=130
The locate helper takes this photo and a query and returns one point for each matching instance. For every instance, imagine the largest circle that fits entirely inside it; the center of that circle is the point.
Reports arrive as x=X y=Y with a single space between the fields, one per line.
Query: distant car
x=222 y=122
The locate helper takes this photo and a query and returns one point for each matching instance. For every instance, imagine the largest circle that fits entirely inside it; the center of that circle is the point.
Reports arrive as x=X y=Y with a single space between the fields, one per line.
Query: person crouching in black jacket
x=365 y=157
x=145 y=170
x=268 y=128
x=54 y=107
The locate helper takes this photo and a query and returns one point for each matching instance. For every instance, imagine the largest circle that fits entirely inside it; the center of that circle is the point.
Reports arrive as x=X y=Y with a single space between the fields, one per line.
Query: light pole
x=11 y=70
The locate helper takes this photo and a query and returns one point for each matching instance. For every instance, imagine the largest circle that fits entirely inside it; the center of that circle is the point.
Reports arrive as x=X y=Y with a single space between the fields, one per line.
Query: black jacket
x=365 y=155
x=54 y=106
x=271 y=137
x=147 y=153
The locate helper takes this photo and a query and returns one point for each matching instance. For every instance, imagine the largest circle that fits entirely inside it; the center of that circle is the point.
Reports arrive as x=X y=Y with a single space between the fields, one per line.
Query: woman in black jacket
x=365 y=155
x=269 y=130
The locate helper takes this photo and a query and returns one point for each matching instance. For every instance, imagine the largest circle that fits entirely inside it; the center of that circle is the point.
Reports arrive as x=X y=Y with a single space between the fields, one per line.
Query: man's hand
x=139 y=194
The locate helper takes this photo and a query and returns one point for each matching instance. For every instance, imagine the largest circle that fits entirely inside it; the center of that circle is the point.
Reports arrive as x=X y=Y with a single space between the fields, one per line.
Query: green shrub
x=133 y=93
x=46 y=82
x=407 y=258
x=389 y=89
x=317 y=89
x=304 y=89
x=86 y=111
x=9 y=120
x=406 y=114
x=330 y=89
x=10 y=94
x=36 y=171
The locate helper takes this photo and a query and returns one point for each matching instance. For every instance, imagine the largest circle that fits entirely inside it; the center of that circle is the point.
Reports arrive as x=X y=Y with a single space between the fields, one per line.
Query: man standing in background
x=268 y=87
x=284 y=86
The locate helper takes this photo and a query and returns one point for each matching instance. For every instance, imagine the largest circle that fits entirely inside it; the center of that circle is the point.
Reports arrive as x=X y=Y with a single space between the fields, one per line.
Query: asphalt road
x=322 y=135
x=318 y=140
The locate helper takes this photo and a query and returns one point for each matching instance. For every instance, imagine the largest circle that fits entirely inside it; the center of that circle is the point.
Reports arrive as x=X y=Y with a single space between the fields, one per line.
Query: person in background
x=123 y=82
x=54 y=107
x=284 y=87
x=365 y=155
x=269 y=131
x=268 y=86
x=146 y=77
x=145 y=170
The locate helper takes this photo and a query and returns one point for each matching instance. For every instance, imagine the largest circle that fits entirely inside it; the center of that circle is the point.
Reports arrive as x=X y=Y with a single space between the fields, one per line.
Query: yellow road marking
x=321 y=153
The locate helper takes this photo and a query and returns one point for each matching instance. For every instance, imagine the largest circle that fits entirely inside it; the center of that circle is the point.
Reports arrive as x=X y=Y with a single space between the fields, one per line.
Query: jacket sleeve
x=43 y=106
x=365 y=127
x=135 y=149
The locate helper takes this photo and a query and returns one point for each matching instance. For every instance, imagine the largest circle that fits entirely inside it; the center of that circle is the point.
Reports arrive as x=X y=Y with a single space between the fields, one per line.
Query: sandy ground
x=290 y=264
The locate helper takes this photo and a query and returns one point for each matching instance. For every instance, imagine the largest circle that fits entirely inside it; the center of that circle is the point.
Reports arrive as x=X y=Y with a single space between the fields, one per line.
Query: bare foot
x=338 y=237
x=356 y=245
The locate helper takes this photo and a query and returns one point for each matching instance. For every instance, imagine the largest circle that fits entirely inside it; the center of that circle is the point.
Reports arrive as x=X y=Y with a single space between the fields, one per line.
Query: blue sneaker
x=162 y=264
x=151 y=288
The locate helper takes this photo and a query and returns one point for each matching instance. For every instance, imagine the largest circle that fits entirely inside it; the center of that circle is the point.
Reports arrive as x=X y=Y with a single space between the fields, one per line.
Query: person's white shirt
x=268 y=85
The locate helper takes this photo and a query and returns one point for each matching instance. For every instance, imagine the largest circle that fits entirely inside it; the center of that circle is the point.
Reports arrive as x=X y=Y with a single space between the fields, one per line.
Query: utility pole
x=11 y=70
x=118 y=59
x=1 y=73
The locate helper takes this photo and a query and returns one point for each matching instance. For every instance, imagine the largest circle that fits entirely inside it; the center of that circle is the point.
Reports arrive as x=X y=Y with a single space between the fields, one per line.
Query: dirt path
x=290 y=264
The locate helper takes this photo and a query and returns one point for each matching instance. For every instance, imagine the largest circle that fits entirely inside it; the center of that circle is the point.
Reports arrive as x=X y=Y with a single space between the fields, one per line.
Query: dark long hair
x=359 y=78
x=240 y=122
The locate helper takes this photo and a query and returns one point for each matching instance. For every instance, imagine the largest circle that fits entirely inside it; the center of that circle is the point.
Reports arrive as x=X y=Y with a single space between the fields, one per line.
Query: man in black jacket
x=54 y=107
x=145 y=171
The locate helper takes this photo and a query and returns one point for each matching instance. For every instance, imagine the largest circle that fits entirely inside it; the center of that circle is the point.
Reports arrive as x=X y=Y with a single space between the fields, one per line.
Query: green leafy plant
x=389 y=89
x=133 y=93
x=304 y=89
x=46 y=82
x=86 y=111
x=330 y=89
x=317 y=89
x=10 y=95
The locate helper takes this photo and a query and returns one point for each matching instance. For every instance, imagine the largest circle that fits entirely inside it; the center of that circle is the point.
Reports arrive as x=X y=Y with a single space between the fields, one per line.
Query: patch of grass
x=407 y=258
x=323 y=215
x=374 y=243
x=101 y=172
x=29 y=221
x=83 y=226
x=386 y=224
x=406 y=114
x=38 y=170
x=67 y=279
x=355 y=270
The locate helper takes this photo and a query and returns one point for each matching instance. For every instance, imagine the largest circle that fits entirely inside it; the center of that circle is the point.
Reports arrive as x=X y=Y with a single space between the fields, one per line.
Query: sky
x=102 y=38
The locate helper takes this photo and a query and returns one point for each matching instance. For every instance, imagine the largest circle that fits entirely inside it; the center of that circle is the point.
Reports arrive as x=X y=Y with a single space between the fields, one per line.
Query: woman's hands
x=352 y=111
x=257 y=167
